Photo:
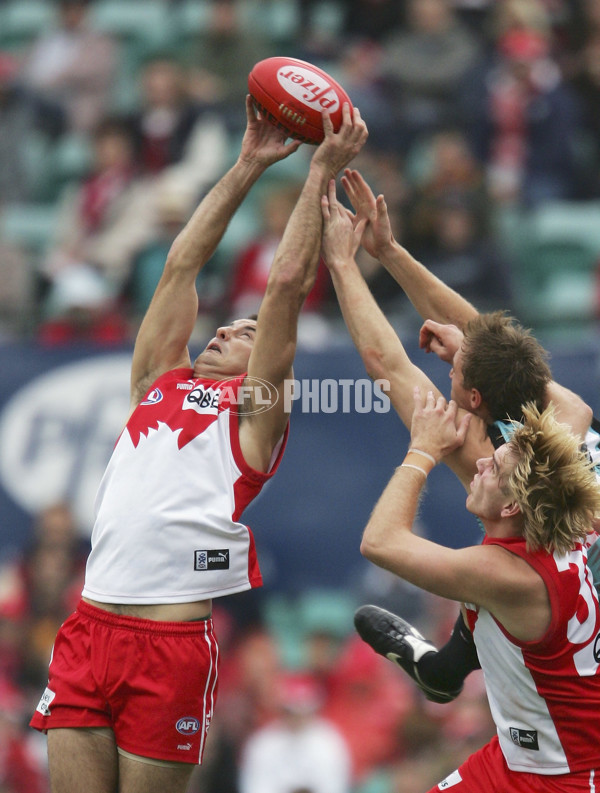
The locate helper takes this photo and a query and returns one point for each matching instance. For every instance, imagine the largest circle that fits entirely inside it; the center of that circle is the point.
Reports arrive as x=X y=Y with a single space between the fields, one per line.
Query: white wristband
x=424 y=454
x=415 y=468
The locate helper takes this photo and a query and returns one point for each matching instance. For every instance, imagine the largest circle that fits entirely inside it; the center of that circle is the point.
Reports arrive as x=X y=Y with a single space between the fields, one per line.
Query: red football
x=292 y=94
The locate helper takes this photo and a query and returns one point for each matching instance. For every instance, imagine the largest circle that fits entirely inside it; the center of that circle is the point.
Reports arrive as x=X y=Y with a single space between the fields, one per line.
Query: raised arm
x=569 y=408
x=290 y=279
x=381 y=350
x=486 y=575
x=165 y=331
x=388 y=540
x=445 y=312
x=430 y=296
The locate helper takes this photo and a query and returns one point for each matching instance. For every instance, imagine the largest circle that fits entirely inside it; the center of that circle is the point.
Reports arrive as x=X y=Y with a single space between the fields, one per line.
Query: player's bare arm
x=381 y=350
x=290 y=280
x=430 y=296
x=445 y=312
x=488 y=576
x=569 y=408
x=163 y=337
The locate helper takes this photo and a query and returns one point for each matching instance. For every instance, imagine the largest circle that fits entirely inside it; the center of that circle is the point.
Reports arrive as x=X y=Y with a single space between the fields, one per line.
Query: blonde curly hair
x=553 y=482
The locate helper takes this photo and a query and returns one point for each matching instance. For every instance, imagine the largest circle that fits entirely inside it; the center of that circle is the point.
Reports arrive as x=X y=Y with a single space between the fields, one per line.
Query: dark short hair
x=505 y=363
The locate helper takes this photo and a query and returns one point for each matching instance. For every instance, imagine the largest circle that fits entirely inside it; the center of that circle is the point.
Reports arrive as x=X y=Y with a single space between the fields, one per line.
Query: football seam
x=292 y=115
x=277 y=123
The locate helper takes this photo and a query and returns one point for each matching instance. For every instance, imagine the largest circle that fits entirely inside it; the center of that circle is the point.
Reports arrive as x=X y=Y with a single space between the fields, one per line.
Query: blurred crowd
x=116 y=117
x=112 y=128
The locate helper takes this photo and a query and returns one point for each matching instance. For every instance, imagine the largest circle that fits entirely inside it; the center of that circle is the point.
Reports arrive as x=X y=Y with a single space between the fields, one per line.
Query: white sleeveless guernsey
x=545 y=695
x=167 y=524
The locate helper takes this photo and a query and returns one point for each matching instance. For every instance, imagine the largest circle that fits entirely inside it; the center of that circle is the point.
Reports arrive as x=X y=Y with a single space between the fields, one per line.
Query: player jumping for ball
x=133 y=678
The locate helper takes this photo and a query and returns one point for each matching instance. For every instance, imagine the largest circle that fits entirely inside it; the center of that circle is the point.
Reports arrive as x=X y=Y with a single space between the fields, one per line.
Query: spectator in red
x=173 y=132
x=38 y=591
x=252 y=265
x=367 y=704
x=20 y=771
x=82 y=309
x=523 y=117
x=110 y=215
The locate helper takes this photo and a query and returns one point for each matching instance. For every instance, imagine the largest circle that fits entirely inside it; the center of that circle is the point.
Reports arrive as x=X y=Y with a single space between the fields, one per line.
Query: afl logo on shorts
x=153 y=397
x=188 y=725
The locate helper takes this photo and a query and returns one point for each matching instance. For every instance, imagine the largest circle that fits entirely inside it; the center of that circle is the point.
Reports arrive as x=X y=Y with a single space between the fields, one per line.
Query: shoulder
x=518 y=571
x=507 y=572
x=518 y=593
x=155 y=379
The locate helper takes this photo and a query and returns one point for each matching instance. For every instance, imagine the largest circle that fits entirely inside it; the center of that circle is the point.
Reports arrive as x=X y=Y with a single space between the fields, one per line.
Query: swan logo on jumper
x=188 y=725
x=212 y=560
x=526 y=739
x=153 y=397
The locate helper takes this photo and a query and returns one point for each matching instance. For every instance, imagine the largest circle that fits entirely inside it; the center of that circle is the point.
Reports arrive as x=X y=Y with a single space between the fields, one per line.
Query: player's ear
x=475 y=400
x=511 y=510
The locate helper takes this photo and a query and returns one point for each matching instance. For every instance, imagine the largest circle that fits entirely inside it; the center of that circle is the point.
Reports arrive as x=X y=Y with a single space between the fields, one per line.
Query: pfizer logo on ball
x=307 y=87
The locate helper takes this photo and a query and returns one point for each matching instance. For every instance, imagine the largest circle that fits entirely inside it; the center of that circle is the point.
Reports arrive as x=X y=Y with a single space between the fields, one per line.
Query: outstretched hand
x=342 y=231
x=434 y=429
x=339 y=148
x=443 y=340
x=263 y=143
x=378 y=231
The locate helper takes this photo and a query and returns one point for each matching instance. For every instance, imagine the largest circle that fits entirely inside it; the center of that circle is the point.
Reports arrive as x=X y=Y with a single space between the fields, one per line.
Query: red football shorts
x=153 y=683
x=486 y=770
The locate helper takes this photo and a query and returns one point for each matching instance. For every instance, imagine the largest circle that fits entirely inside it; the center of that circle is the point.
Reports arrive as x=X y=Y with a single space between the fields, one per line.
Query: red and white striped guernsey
x=167 y=526
x=545 y=695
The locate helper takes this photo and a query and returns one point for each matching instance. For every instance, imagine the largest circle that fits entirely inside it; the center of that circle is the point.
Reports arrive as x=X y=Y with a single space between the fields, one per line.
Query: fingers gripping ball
x=292 y=93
